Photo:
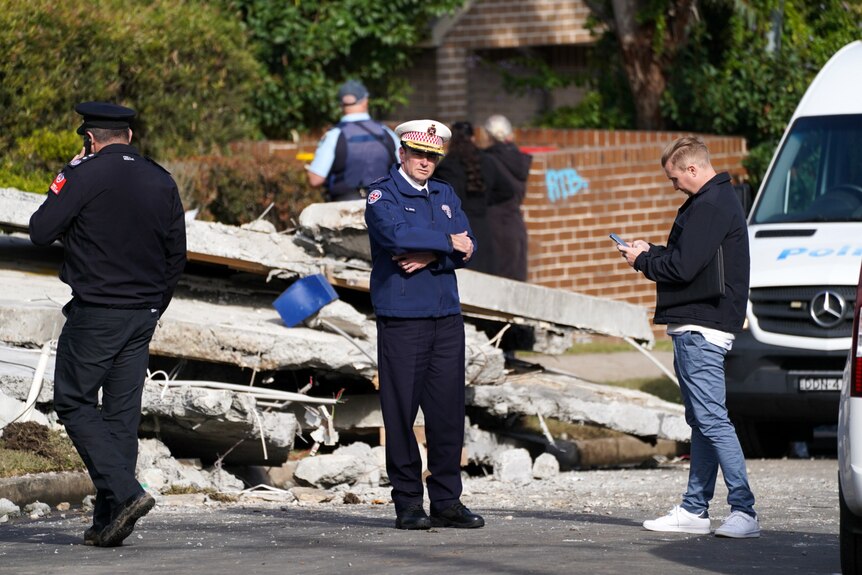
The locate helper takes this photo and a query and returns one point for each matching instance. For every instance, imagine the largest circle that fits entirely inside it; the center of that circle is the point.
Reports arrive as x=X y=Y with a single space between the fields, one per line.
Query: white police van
x=805 y=230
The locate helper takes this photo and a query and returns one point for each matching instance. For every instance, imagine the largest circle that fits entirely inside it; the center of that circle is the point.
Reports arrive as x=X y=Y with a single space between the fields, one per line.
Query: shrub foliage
x=183 y=65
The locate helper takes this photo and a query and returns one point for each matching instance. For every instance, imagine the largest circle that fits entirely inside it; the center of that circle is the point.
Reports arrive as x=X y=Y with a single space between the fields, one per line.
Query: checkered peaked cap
x=424 y=135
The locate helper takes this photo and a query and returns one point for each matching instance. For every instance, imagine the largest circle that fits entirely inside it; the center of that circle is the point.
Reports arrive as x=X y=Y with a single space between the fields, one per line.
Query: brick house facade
x=457 y=75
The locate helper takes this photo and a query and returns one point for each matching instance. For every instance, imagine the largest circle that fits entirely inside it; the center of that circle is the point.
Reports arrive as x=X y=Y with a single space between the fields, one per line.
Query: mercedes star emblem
x=827 y=309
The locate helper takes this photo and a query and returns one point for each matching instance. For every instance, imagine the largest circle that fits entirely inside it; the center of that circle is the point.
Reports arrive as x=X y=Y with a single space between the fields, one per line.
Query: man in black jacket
x=701 y=324
x=119 y=217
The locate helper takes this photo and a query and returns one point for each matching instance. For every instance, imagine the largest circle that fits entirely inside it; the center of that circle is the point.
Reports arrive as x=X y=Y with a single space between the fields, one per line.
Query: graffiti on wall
x=563 y=184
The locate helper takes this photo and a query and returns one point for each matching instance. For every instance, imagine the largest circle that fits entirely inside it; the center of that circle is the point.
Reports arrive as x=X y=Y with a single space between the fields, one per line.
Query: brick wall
x=513 y=23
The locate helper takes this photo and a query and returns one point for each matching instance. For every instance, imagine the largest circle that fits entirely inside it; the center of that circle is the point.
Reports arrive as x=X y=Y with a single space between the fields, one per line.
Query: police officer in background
x=119 y=217
x=354 y=153
x=419 y=236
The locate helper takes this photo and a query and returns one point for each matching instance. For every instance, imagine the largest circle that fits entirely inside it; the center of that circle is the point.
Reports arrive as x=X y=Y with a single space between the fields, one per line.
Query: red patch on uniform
x=58 y=183
x=374 y=196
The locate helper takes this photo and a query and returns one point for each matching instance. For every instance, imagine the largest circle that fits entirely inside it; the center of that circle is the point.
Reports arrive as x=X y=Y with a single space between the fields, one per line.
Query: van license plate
x=819 y=383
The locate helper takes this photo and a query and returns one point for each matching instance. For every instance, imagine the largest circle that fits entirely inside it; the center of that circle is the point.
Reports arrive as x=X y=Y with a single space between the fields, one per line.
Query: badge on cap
x=58 y=183
x=447 y=210
x=374 y=196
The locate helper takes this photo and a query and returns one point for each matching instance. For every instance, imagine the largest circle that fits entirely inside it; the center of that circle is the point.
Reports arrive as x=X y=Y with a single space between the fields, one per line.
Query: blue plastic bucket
x=304 y=298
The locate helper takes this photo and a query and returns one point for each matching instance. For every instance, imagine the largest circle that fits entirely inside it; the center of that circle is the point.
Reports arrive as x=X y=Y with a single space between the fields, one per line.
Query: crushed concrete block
x=346 y=465
x=206 y=423
x=7 y=508
x=569 y=399
x=363 y=452
x=158 y=471
x=63 y=506
x=546 y=466
x=346 y=318
x=282 y=476
x=37 y=509
x=513 y=466
x=551 y=339
x=339 y=227
x=482 y=447
x=247 y=250
x=312 y=495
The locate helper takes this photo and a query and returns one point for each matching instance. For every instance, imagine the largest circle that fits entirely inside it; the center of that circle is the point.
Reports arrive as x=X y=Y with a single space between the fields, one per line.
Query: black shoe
x=124 y=520
x=91 y=535
x=456 y=516
x=413 y=517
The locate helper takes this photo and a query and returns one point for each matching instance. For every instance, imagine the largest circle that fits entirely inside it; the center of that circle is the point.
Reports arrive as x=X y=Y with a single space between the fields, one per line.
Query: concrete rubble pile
x=219 y=321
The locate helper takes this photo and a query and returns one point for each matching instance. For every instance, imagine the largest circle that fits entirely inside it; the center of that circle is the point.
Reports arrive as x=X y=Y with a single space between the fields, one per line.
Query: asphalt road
x=582 y=522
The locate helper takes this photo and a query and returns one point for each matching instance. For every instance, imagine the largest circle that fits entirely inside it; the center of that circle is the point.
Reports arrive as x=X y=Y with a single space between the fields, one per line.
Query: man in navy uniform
x=419 y=236
x=120 y=219
x=354 y=153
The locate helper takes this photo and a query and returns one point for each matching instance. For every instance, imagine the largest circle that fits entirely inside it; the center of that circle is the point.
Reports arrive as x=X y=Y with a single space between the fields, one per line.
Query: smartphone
x=618 y=239
x=88 y=145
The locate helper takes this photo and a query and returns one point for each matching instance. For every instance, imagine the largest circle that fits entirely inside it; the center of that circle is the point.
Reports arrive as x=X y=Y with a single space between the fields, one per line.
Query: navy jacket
x=402 y=219
x=709 y=218
x=121 y=222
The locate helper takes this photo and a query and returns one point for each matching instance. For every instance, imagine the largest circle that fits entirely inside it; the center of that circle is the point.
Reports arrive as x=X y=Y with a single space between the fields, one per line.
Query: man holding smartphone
x=702 y=327
x=119 y=217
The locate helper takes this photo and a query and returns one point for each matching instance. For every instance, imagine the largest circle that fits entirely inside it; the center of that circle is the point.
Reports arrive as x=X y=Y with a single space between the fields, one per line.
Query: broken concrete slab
x=509 y=298
x=247 y=250
x=351 y=464
x=205 y=423
x=18 y=206
x=265 y=253
x=339 y=227
x=159 y=471
x=570 y=399
x=238 y=328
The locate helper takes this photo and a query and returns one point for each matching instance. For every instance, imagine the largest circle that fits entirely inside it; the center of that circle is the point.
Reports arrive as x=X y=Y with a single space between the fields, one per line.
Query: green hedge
x=236 y=190
x=184 y=66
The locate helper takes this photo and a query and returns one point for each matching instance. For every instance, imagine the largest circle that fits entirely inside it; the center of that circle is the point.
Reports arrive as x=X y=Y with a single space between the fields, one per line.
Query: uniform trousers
x=108 y=349
x=421 y=364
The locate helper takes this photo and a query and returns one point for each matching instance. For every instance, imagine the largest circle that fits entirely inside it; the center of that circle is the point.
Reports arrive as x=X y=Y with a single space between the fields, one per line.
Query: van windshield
x=817 y=175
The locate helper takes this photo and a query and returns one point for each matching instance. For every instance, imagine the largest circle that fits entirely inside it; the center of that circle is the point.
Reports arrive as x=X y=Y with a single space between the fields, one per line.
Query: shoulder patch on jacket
x=374 y=196
x=58 y=183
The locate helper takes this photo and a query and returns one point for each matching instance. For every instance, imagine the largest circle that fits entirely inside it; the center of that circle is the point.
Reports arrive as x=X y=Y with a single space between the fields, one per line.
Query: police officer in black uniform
x=419 y=236
x=119 y=217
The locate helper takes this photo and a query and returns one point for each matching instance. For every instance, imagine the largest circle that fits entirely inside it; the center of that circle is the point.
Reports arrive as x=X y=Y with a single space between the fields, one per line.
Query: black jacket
x=709 y=218
x=121 y=222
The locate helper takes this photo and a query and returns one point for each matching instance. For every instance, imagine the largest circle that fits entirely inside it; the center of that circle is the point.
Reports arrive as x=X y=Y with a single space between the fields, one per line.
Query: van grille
x=787 y=310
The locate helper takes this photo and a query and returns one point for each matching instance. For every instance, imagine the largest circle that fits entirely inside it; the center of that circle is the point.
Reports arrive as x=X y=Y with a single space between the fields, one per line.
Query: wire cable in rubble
x=652 y=358
x=347 y=336
x=36 y=384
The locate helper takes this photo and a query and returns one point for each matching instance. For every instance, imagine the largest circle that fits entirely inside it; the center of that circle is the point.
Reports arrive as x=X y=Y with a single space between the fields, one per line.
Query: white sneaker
x=739 y=525
x=680 y=521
